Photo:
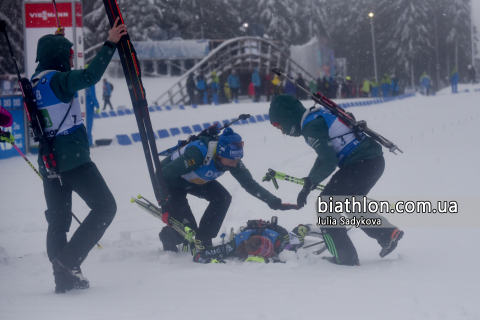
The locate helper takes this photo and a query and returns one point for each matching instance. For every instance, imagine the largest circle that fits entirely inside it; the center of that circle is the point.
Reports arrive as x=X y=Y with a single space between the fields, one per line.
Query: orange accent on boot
x=395 y=233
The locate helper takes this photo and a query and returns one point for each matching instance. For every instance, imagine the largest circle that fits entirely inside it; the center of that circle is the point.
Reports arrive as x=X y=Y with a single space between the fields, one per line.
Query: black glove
x=307 y=187
x=6 y=137
x=278 y=205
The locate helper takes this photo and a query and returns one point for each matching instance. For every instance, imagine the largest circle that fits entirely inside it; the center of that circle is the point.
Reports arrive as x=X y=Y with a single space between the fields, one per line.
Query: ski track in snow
x=433 y=273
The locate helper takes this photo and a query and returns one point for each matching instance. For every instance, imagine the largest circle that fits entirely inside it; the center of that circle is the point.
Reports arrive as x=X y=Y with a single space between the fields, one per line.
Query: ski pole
x=38 y=173
x=273 y=175
x=59 y=28
x=342 y=114
x=25 y=158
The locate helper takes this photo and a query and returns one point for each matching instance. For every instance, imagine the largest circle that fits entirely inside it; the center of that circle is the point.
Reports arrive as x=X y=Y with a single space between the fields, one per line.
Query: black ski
x=343 y=115
x=131 y=69
x=155 y=211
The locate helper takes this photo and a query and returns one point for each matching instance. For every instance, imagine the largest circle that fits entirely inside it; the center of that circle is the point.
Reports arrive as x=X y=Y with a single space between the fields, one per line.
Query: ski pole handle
x=240 y=117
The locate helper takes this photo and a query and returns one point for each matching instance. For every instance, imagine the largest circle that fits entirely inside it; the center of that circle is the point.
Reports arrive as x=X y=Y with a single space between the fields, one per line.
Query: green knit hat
x=53 y=53
x=287 y=111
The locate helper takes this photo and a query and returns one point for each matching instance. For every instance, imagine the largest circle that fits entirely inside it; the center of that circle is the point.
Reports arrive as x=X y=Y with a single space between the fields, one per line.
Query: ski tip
x=139 y=196
x=132 y=200
x=99 y=246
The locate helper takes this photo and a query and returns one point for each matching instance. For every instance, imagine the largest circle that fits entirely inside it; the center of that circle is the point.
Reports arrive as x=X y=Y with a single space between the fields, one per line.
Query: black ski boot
x=67 y=279
x=206 y=243
x=166 y=240
x=391 y=244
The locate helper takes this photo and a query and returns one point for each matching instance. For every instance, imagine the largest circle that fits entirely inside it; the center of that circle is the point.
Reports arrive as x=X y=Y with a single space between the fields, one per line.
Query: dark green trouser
x=355 y=179
x=219 y=201
x=88 y=183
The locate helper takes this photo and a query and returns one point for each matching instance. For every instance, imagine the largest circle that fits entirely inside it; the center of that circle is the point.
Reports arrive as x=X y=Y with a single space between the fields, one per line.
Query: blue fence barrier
x=124 y=139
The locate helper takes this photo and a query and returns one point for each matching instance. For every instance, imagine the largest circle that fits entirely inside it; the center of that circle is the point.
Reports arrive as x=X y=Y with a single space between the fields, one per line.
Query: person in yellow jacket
x=226 y=89
x=277 y=86
x=365 y=88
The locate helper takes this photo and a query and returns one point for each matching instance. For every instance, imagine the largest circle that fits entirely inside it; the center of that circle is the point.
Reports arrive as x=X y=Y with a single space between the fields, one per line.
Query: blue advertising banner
x=14 y=105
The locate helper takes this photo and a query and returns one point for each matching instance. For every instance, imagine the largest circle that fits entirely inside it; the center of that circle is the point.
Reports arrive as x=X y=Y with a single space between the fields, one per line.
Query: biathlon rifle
x=346 y=117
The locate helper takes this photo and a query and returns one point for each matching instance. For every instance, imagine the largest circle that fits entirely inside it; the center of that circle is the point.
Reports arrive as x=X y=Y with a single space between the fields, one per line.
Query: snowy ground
x=433 y=274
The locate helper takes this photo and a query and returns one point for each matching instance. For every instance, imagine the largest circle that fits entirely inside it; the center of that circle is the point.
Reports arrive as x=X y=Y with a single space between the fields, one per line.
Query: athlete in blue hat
x=193 y=169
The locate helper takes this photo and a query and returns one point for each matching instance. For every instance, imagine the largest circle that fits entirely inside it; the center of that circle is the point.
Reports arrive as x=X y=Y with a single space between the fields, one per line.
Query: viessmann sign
x=41 y=15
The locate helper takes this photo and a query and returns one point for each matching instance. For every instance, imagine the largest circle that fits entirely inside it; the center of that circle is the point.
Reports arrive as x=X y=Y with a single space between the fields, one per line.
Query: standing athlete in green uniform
x=359 y=158
x=55 y=86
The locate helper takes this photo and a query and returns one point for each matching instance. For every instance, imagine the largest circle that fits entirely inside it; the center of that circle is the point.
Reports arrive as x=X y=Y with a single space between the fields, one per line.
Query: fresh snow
x=433 y=273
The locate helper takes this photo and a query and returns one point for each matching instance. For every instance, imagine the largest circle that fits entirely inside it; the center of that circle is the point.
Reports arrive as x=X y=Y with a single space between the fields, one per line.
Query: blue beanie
x=229 y=145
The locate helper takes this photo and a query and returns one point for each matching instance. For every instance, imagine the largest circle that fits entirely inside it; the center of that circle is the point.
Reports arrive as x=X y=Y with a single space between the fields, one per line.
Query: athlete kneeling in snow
x=259 y=241
x=193 y=169
x=361 y=163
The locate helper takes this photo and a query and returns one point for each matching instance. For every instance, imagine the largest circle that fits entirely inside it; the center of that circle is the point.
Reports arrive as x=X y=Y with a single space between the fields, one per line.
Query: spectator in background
x=375 y=88
x=92 y=104
x=191 y=86
x=354 y=89
x=394 y=86
x=347 y=88
x=257 y=84
x=319 y=85
x=277 y=86
x=425 y=82
x=300 y=94
x=365 y=90
x=386 y=83
x=268 y=87
x=6 y=85
x=290 y=88
x=227 y=92
x=472 y=74
x=107 y=93
x=251 y=91
x=332 y=88
x=234 y=84
x=214 y=87
x=312 y=86
x=202 y=89
x=454 y=80
x=325 y=86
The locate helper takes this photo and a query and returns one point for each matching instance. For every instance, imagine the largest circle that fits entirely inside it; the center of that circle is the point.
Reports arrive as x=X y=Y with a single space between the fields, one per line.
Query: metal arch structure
x=243 y=54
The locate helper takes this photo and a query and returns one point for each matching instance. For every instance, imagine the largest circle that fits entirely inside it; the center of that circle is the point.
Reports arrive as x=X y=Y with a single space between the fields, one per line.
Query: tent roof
x=170 y=49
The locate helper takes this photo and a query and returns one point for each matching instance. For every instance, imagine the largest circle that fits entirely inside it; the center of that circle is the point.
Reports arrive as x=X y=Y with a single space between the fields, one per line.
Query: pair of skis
x=183 y=230
x=133 y=76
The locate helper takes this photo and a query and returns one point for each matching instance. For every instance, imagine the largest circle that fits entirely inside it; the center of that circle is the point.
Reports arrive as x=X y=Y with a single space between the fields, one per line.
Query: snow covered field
x=433 y=273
